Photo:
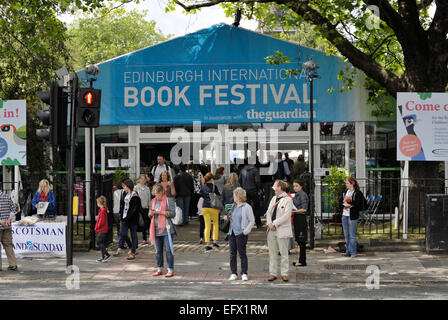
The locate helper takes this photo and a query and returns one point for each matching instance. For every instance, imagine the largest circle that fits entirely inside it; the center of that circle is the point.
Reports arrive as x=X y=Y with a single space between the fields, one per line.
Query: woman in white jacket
x=241 y=222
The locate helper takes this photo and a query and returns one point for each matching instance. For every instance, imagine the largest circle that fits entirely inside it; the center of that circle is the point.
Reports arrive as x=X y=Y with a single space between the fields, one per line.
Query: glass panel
x=381 y=143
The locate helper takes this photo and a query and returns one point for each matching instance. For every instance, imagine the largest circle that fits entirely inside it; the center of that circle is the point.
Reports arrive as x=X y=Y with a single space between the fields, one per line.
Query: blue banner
x=219 y=75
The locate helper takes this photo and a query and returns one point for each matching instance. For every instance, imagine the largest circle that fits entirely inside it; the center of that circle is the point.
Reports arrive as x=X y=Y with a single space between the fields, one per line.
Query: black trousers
x=102 y=244
x=146 y=223
x=254 y=201
x=238 y=244
x=194 y=204
x=301 y=235
x=201 y=226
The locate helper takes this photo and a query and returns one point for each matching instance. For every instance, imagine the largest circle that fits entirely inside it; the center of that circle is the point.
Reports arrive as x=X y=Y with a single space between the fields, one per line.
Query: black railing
x=81 y=231
x=381 y=221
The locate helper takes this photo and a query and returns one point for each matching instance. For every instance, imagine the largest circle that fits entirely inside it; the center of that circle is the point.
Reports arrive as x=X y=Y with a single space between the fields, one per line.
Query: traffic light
x=89 y=105
x=55 y=117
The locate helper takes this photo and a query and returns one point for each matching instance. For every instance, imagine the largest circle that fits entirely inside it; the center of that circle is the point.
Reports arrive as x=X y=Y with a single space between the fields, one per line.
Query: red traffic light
x=88 y=98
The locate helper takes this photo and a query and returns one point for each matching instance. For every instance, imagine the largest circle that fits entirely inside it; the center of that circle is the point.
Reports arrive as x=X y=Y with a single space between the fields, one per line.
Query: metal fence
x=384 y=219
x=82 y=223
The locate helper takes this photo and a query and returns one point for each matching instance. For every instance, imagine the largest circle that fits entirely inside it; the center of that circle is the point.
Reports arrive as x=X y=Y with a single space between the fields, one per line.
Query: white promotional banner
x=42 y=240
x=422 y=126
x=13 y=132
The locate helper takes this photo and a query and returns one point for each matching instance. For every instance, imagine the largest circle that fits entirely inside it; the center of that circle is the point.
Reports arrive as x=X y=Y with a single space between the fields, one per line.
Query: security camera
x=92 y=69
x=310 y=65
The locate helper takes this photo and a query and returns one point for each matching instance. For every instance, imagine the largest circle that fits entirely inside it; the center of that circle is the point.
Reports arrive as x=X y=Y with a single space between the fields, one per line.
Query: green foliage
x=396 y=52
x=120 y=175
x=101 y=36
x=334 y=186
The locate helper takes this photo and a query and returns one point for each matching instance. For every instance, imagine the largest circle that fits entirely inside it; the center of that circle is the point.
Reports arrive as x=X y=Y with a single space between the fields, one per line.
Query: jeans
x=124 y=235
x=160 y=243
x=238 y=243
x=102 y=244
x=350 y=227
x=184 y=204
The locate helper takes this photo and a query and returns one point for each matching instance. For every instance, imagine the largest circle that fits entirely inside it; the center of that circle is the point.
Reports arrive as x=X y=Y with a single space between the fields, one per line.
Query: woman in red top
x=102 y=227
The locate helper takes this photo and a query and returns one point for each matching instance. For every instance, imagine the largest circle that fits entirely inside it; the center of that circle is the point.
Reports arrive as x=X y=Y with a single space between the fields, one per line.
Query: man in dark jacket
x=184 y=186
x=250 y=181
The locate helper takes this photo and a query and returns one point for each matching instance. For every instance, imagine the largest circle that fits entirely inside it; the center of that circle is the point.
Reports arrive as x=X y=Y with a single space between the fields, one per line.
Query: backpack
x=280 y=174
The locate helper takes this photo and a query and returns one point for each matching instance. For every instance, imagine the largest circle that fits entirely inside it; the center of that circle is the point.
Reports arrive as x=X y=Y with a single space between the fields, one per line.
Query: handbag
x=178 y=218
x=215 y=200
x=224 y=225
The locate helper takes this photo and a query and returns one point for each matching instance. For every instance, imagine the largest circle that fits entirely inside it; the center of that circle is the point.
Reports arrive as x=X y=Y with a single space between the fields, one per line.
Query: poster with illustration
x=13 y=132
x=422 y=126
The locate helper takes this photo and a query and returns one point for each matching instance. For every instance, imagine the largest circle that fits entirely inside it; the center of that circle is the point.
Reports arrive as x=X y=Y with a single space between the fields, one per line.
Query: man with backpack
x=282 y=172
x=161 y=166
x=250 y=181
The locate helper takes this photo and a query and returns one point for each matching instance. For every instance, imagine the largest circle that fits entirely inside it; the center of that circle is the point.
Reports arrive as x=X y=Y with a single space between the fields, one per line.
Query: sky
x=178 y=23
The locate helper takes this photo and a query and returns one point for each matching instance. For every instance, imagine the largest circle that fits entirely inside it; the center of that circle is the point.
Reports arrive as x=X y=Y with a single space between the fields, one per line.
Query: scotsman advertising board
x=422 y=126
x=220 y=75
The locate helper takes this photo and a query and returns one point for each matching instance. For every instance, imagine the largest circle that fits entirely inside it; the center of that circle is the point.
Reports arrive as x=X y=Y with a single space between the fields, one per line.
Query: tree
x=32 y=47
x=405 y=49
x=102 y=36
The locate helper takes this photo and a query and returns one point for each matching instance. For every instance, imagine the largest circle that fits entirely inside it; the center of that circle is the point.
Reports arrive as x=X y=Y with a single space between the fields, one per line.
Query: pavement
x=200 y=271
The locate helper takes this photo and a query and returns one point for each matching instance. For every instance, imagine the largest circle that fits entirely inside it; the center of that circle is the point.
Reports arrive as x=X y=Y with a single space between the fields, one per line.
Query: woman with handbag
x=45 y=195
x=162 y=210
x=242 y=220
x=131 y=215
x=209 y=211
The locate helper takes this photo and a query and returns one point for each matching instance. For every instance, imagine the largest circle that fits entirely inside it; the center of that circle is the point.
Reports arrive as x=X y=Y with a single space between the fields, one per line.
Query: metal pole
x=92 y=192
x=311 y=164
x=70 y=178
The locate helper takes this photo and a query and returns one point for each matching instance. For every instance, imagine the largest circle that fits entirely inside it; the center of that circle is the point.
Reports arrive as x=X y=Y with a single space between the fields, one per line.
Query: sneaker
x=201 y=241
x=215 y=245
x=207 y=248
x=144 y=242
x=244 y=277
x=99 y=260
x=233 y=277
x=106 y=258
x=12 y=268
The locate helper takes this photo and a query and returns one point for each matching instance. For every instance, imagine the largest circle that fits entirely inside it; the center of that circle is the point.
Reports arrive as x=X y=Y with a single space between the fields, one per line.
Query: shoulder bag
x=215 y=200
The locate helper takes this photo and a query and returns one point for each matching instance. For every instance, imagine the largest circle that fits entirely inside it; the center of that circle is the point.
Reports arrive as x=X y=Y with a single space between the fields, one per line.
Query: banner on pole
x=422 y=126
x=13 y=132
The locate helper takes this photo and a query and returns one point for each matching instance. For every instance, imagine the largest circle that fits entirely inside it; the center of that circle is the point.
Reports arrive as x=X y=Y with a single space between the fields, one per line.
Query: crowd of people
x=152 y=205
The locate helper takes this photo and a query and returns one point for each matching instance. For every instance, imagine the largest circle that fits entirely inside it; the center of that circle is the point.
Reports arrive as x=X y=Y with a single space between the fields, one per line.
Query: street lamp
x=311 y=68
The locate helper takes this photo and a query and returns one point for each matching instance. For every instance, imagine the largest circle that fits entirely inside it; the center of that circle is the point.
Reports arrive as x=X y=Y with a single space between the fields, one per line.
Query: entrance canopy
x=220 y=75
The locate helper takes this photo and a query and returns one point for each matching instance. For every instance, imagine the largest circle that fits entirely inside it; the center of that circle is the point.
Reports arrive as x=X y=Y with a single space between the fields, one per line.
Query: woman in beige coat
x=278 y=218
